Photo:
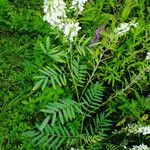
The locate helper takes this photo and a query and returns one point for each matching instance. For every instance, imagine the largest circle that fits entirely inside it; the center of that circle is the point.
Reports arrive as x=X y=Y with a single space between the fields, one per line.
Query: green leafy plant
x=92 y=87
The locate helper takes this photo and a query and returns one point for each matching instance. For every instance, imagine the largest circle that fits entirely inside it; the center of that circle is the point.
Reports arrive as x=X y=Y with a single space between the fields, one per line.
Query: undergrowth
x=61 y=95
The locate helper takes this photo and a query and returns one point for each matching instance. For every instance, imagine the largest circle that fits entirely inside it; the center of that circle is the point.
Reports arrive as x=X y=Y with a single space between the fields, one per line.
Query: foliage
x=88 y=91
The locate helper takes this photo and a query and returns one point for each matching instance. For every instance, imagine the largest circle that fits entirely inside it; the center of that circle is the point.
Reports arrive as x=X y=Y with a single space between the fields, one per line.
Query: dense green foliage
x=57 y=95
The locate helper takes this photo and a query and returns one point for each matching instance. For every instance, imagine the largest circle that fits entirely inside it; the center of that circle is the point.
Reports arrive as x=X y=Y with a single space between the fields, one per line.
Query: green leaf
x=122 y=121
x=53 y=52
x=61 y=117
x=47 y=43
x=30 y=133
x=61 y=130
x=69 y=114
x=72 y=112
x=40 y=77
x=25 y=102
x=128 y=7
x=92 y=98
x=50 y=107
x=44 y=123
x=44 y=84
x=45 y=72
x=43 y=48
x=54 y=142
x=67 y=132
x=57 y=80
x=56 y=130
x=48 y=111
x=51 y=131
x=35 y=139
x=53 y=83
x=60 y=142
x=65 y=114
x=53 y=119
x=48 y=141
x=43 y=139
x=37 y=85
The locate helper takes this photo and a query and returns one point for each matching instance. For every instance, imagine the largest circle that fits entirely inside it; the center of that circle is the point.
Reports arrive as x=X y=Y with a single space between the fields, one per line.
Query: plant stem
x=127 y=87
x=93 y=73
x=69 y=67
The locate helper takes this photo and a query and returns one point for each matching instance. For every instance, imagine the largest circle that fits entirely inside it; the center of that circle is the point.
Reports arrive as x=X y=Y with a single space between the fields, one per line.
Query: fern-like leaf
x=99 y=125
x=56 y=76
x=64 y=110
x=112 y=147
x=81 y=46
x=92 y=139
x=92 y=98
x=79 y=73
x=52 y=137
x=95 y=131
x=54 y=52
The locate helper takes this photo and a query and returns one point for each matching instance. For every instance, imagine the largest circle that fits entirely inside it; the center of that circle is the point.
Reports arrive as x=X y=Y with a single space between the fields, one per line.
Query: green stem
x=71 y=72
x=82 y=127
x=93 y=73
x=127 y=87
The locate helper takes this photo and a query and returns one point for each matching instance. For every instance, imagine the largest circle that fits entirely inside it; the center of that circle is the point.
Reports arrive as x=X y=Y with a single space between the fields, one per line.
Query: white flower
x=54 y=11
x=140 y=147
x=148 y=56
x=55 y=14
x=124 y=27
x=134 y=129
x=61 y=25
x=144 y=130
x=71 y=30
x=78 y=5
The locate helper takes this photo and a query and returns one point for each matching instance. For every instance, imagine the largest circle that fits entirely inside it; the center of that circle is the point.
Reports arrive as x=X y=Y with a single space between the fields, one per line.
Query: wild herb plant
x=86 y=72
x=87 y=86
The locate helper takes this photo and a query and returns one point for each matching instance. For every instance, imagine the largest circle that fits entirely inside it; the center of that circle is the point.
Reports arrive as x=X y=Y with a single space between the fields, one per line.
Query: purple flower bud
x=97 y=37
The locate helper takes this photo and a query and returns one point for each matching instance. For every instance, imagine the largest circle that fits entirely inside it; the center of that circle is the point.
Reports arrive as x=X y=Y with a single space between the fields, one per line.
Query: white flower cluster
x=124 y=27
x=144 y=130
x=71 y=30
x=134 y=129
x=55 y=14
x=140 y=147
x=78 y=5
x=54 y=11
x=129 y=129
x=148 y=56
